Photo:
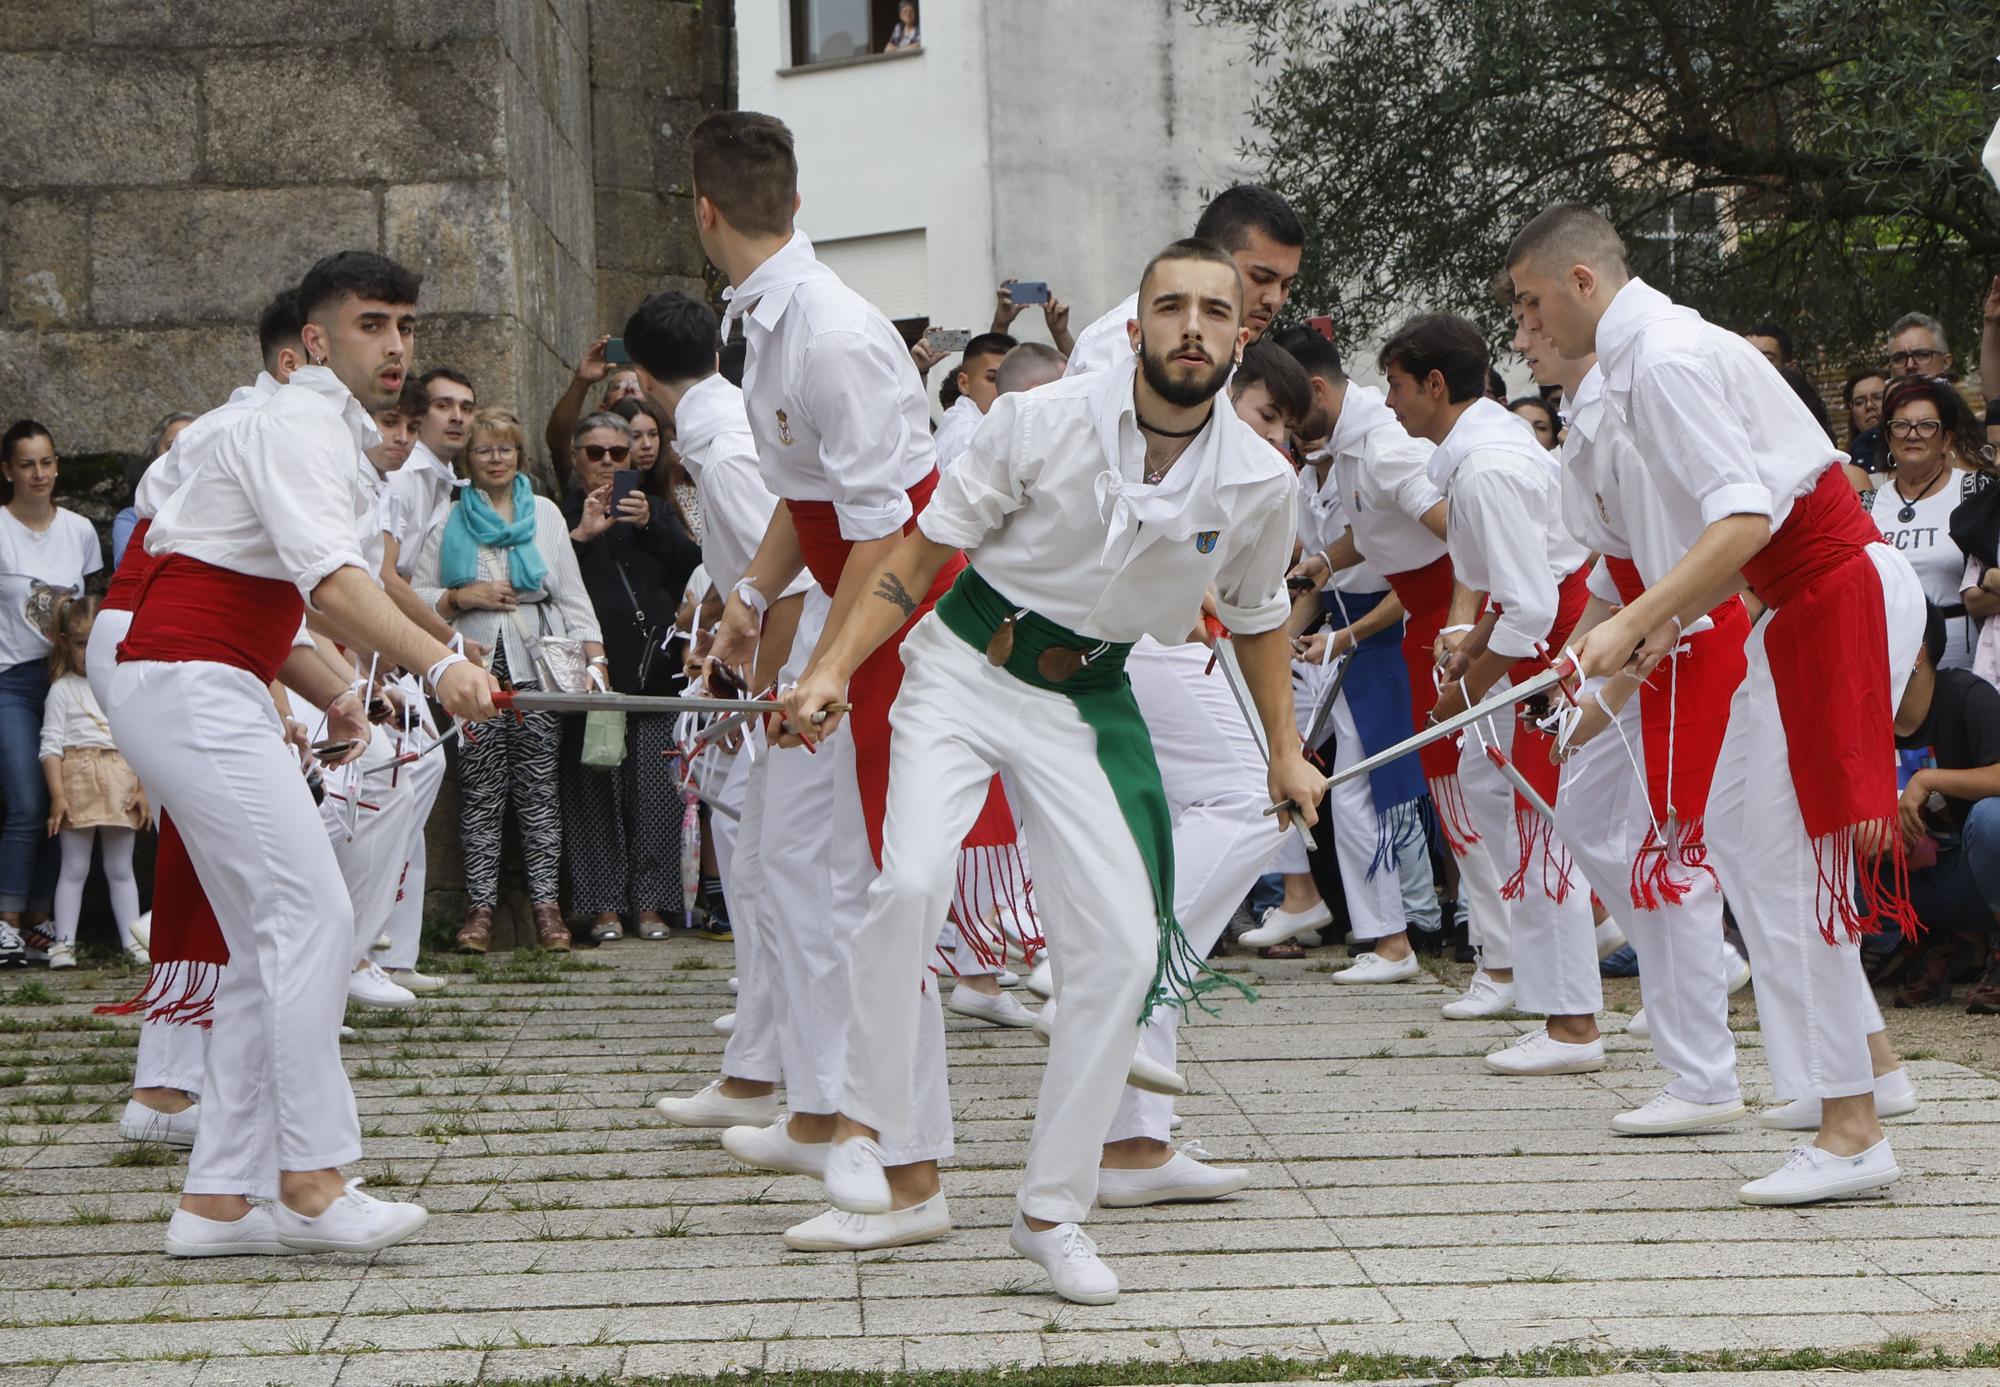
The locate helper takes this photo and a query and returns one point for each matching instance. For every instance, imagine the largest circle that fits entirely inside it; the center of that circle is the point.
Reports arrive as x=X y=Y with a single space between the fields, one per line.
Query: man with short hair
x=1772 y=342
x=978 y=368
x=1027 y=366
x=1917 y=347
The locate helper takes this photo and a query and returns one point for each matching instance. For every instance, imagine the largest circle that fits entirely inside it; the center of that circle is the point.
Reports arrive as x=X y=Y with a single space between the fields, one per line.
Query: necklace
x=1909 y=510
x=1171 y=433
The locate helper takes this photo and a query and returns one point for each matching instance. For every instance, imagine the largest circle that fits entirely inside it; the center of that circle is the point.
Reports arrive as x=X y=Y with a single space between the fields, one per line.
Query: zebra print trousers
x=506 y=760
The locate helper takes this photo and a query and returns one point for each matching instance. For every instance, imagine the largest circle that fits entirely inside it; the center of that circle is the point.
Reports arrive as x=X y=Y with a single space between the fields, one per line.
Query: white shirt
x=419 y=497
x=1050 y=505
x=712 y=435
x=833 y=398
x=1105 y=342
x=61 y=556
x=1612 y=501
x=71 y=718
x=273 y=492
x=1707 y=411
x=1384 y=487
x=955 y=430
x=1323 y=520
x=172 y=468
x=1503 y=489
x=1925 y=540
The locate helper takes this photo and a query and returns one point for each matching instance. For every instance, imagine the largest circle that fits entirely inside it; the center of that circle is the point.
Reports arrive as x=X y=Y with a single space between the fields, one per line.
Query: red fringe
x=179 y=993
x=1653 y=880
x=1837 y=862
x=1454 y=821
x=1538 y=839
x=993 y=880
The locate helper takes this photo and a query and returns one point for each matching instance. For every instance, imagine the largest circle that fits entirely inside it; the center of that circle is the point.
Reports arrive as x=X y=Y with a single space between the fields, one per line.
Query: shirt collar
x=422 y=459
x=969 y=407
x=321 y=381
x=1635 y=305
x=766 y=291
x=708 y=409
x=1362 y=410
x=1488 y=426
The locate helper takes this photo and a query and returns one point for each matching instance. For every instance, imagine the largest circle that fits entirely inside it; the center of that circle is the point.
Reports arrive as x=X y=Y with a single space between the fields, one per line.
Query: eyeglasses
x=598 y=452
x=1917 y=358
x=1868 y=401
x=1915 y=428
x=493 y=452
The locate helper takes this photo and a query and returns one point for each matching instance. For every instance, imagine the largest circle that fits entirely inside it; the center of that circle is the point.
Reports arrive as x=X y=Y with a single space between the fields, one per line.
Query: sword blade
x=1498 y=703
x=539 y=702
x=1513 y=775
x=1232 y=675
x=1322 y=717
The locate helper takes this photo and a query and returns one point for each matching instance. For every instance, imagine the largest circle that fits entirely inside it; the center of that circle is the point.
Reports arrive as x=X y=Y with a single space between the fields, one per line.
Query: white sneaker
x=725 y=1024
x=136 y=953
x=142 y=930
x=370 y=987
x=141 y=1123
x=1610 y=938
x=412 y=981
x=1666 y=1115
x=349 y=1033
x=13 y=948
x=1483 y=998
x=1538 y=1052
x=1007 y=978
x=732 y=987
x=1639 y=1025
x=1041 y=979
x=1739 y=971
x=710 y=1108
x=383 y=943
x=836 y=1230
x=1372 y=967
x=62 y=955
x=1310 y=939
x=1001 y=1010
x=1144 y=1074
x=853 y=1176
x=1185 y=1178
x=1280 y=924
x=355 y=1222
x=1895 y=1096
x=1070 y=1258
x=771 y=1147
x=253 y=1235
x=1810 y=1174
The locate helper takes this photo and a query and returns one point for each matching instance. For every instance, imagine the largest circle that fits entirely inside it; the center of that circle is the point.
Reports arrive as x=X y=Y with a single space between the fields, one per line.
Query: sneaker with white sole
x=349 y=1033
x=1001 y=1010
x=62 y=955
x=771 y=1147
x=413 y=981
x=13 y=949
x=136 y=953
x=371 y=987
x=732 y=985
x=142 y=930
x=1895 y=1096
x=1538 y=1052
x=837 y=1230
x=383 y=943
x=854 y=1176
x=1070 y=1258
x=710 y=1107
x=1007 y=978
x=1483 y=998
x=1666 y=1115
x=1639 y=1025
x=355 y=1222
x=1041 y=979
x=1280 y=924
x=1372 y=967
x=253 y=1235
x=1810 y=1175
x=1610 y=938
x=1146 y=1074
x=141 y=1123
x=1739 y=968
x=725 y=1024
x=1185 y=1178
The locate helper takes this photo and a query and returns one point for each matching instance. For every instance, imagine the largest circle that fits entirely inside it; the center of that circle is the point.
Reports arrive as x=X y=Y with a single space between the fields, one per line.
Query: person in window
x=1934 y=440
x=905 y=34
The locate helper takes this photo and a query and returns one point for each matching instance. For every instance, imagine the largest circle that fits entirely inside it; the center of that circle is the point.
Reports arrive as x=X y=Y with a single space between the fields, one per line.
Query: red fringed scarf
x=1531 y=756
x=1827 y=643
x=1426 y=597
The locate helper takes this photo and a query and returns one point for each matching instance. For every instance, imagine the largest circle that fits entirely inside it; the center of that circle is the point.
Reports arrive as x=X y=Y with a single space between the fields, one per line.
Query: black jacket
x=657 y=559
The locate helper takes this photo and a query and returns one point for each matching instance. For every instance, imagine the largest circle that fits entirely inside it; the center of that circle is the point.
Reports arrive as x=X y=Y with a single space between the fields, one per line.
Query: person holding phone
x=624 y=821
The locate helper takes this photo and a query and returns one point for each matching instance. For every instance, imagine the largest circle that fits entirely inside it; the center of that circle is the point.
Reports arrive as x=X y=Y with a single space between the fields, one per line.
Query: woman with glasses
x=501 y=570
x=635 y=556
x=1862 y=396
x=1935 y=444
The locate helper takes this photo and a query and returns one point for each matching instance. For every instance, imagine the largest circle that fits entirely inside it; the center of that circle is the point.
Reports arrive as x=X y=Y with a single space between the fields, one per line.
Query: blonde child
x=92 y=792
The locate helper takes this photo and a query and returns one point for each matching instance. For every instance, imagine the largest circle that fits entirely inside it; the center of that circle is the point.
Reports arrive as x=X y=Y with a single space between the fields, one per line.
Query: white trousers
x=755 y=1046
x=1488 y=916
x=1814 y=1006
x=405 y=926
x=1550 y=945
x=1374 y=904
x=205 y=741
x=1217 y=790
x=957 y=721
x=1603 y=816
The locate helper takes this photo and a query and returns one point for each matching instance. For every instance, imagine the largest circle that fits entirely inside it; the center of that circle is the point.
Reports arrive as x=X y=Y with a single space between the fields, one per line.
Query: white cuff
x=752 y=595
x=1740 y=498
x=454 y=657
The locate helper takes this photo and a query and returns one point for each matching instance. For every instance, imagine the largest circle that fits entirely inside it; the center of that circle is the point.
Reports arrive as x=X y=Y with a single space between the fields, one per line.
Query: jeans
x=28 y=856
x=1961 y=894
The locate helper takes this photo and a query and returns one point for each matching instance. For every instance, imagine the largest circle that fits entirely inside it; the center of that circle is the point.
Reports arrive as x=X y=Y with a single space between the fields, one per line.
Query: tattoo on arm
x=891 y=589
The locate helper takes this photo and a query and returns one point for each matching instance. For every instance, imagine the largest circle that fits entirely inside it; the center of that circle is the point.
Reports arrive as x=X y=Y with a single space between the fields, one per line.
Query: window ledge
x=858 y=60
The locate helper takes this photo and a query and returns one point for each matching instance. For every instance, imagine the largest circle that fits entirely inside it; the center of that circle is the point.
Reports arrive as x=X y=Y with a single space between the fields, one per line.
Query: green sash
x=973 y=610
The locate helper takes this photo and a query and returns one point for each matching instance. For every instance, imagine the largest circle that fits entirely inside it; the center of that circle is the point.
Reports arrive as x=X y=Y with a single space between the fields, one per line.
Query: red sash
x=123 y=594
x=1531 y=754
x=1827 y=642
x=1683 y=713
x=1426 y=597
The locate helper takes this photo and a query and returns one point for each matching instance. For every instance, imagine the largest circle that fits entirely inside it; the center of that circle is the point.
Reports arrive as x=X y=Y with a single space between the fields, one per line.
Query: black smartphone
x=331 y=751
x=1299 y=584
x=614 y=351
x=1029 y=291
x=624 y=482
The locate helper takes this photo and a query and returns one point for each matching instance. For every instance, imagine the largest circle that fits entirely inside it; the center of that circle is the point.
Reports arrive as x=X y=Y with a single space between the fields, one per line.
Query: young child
x=92 y=792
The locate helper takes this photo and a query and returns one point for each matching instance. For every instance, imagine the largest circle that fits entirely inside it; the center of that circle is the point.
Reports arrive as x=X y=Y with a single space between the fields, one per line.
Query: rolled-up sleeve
x=1410 y=488
x=1250 y=596
x=1497 y=504
x=977 y=494
x=849 y=392
x=1680 y=410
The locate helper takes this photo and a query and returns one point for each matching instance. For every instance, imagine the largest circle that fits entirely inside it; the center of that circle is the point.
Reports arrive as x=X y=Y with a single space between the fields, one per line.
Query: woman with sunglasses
x=1935 y=443
x=635 y=555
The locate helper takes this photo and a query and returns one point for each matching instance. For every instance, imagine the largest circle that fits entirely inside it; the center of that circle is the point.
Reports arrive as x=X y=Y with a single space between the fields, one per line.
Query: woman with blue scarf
x=501 y=570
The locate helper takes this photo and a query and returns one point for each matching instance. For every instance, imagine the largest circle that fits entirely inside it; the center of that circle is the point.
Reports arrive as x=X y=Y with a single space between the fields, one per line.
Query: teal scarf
x=475 y=524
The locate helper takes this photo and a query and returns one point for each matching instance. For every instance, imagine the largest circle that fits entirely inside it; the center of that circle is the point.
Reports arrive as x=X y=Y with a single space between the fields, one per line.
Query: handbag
x=560 y=661
x=1975 y=525
x=604 y=739
x=655 y=671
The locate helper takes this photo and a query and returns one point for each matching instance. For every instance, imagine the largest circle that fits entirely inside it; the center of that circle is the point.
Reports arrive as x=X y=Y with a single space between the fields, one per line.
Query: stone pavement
x=1406 y=1203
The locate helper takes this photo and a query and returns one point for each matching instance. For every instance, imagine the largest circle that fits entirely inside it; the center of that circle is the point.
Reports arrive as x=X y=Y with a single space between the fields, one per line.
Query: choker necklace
x=1171 y=433
x=1909 y=510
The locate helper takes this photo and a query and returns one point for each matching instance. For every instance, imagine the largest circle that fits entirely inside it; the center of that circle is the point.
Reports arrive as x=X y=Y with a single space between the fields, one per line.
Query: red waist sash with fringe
x=1827 y=642
x=1531 y=755
x=1683 y=713
x=1426 y=597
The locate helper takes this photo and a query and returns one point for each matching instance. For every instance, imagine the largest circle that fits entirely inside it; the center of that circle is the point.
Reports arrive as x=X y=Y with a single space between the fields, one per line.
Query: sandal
x=1284 y=950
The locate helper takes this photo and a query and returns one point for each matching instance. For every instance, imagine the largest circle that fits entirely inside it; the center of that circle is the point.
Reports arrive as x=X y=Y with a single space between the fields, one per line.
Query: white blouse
x=61 y=556
x=71 y=718
x=562 y=600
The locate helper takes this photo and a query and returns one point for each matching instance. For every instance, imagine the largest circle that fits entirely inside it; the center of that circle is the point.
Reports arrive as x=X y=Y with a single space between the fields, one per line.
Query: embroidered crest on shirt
x=1603 y=511
x=1204 y=543
x=784 y=429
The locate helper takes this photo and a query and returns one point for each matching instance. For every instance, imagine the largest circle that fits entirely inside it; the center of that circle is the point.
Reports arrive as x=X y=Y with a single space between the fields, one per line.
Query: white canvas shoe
x=1483 y=998
x=710 y=1108
x=141 y=1123
x=1372 y=967
x=1146 y=1074
x=1810 y=1175
x=136 y=953
x=1002 y=1010
x=771 y=1147
x=1538 y=1053
x=383 y=943
x=412 y=980
x=371 y=987
x=355 y=1222
x=1895 y=1096
x=1610 y=938
x=1041 y=979
x=725 y=1024
x=1639 y=1025
x=836 y=1230
x=142 y=930
x=253 y=1235
x=1739 y=969
x=1185 y=1178
x=62 y=955
x=854 y=1176
x=1007 y=978
x=1070 y=1258
x=732 y=987
x=1280 y=924
x=1666 y=1115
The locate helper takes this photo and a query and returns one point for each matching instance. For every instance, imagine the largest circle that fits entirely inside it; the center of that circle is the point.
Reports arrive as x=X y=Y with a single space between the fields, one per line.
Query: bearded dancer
x=1805 y=788
x=1092 y=511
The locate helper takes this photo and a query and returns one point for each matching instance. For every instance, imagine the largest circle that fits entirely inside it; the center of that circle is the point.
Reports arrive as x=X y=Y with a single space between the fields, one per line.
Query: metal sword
x=1498 y=703
x=1232 y=675
x=1323 y=714
x=537 y=701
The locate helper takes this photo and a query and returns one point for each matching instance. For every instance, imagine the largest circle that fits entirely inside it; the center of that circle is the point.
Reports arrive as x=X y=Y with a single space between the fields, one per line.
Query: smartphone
x=1299 y=584
x=624 y=482
x=331 y=751
x=1322 y=324
x=1029 y=291
x=614 y=351
x=942 y=341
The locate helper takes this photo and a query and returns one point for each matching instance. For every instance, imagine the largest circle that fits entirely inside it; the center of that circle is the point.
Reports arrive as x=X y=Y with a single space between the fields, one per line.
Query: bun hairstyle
x=70 y=614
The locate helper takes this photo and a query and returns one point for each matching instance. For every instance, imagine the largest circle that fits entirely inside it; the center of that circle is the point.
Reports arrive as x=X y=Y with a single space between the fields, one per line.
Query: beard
x=1183 y=392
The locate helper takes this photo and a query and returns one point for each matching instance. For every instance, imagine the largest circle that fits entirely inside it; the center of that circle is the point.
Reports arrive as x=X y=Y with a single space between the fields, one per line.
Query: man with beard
x=1091 y=512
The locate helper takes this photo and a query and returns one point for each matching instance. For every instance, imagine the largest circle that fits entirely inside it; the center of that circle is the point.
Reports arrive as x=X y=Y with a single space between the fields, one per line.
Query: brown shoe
x=550 y=931
x=1932 y=985
x=1985 y=998
x=475 y=936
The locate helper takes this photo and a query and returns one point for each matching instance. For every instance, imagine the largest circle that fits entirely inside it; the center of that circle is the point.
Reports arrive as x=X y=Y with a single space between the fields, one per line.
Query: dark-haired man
x=1752 y=492
x=1502 y=494
x=1772 y=342
x=1093 y=511
x=267 y=518
x=978 y=384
